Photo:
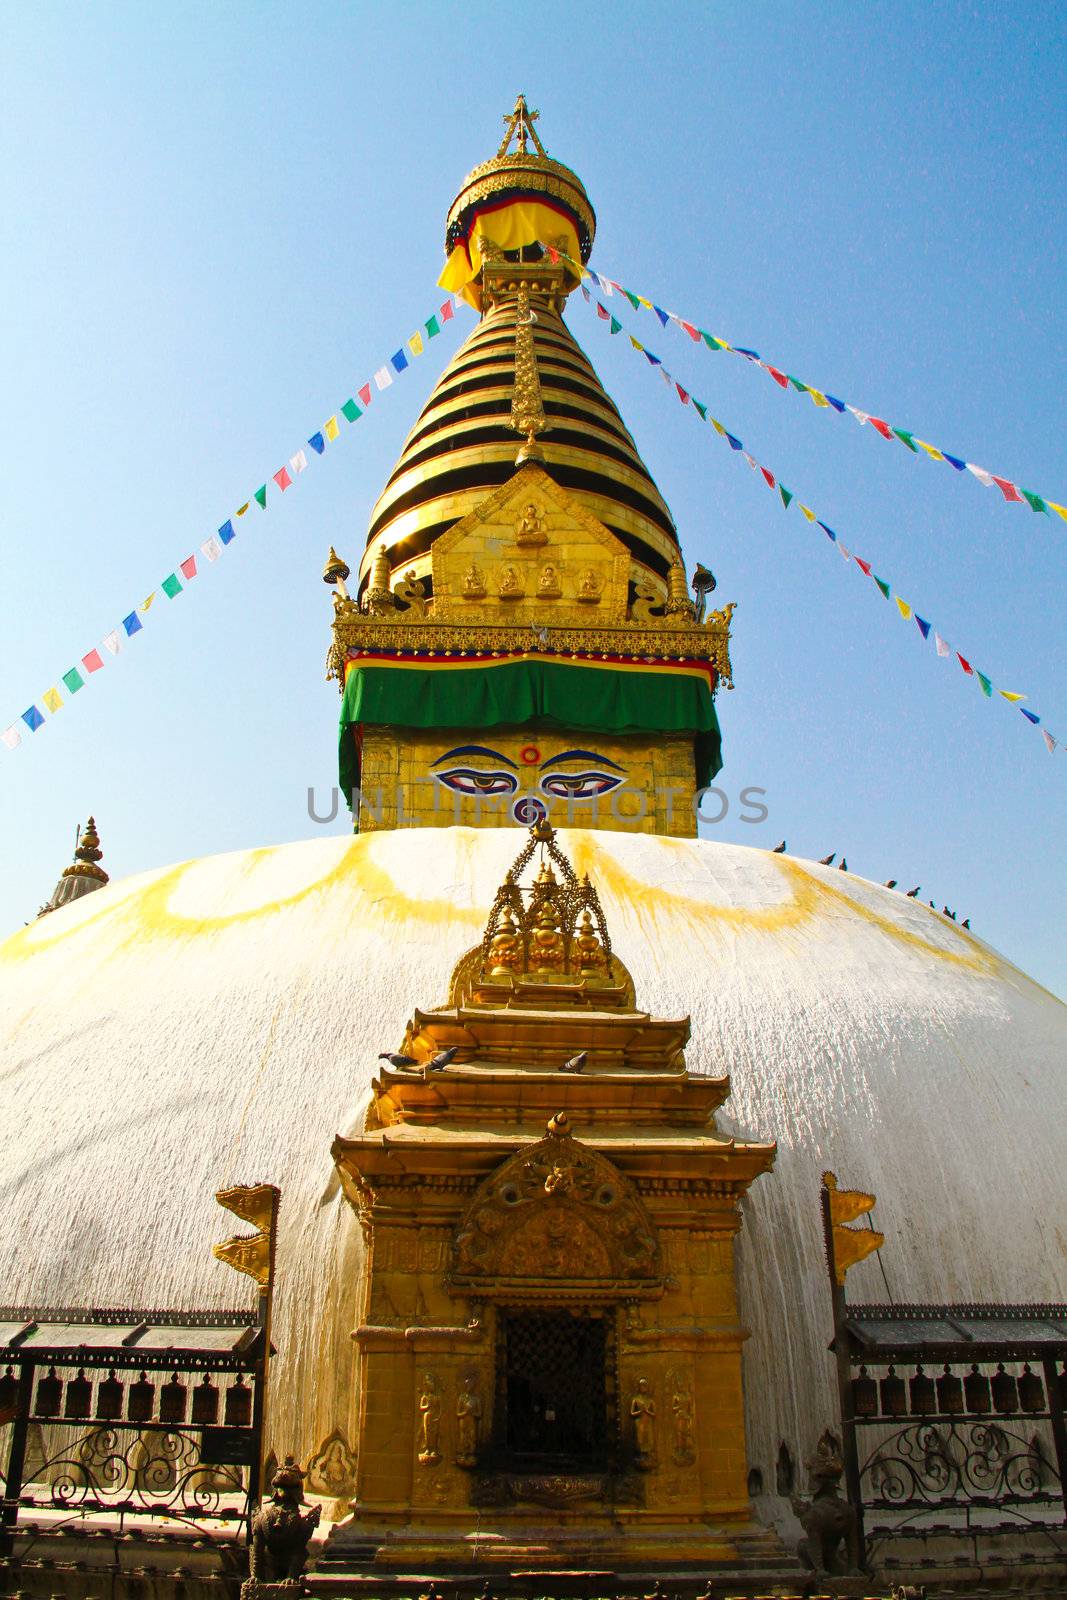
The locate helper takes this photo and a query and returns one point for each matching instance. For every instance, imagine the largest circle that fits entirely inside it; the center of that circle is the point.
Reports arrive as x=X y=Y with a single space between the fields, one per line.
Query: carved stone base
x=288 y=1589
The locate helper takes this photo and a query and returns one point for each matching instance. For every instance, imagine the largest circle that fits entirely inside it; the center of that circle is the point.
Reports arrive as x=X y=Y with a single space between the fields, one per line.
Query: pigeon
x=966 y=922
x=442 y=1059
x=948 y=913
x=576 y=1063
x=890 y=883
x=842 y=865
x=913 y=893
x=778 y=849
x=397 y=1061
x=827 y=861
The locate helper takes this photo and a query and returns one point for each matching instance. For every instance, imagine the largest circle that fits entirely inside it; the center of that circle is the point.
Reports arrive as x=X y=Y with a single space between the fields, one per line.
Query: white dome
x=218 y=1022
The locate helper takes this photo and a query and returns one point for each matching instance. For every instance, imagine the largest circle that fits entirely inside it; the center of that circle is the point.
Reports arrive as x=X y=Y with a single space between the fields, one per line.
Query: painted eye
x=469 y=780
x=579 y=785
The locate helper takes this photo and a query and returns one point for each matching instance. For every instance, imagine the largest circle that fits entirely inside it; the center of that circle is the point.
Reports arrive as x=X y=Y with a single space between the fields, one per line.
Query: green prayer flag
x=73 y=680
x=801 y=388
x=907 y=438
x=702 y=409
x=171 y=586
x=883 y=586
x=1034 y=501
x=634 y=301
x=260 y=496
x=710 y=340
x=351 y=410
x=786 y=494
x=433 y=327
x=616 y=325
x=987 y=687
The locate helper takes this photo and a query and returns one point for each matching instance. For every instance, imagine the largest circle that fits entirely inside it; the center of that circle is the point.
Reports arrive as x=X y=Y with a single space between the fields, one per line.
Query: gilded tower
x=521 y=641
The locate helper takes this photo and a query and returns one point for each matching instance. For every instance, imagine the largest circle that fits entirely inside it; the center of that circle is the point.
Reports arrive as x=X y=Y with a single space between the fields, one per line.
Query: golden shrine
x=549 y=1348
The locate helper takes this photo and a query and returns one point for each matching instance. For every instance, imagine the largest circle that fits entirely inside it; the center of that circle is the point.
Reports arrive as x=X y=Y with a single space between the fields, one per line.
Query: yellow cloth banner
x=415 y=344
x=53 y=700
x=1009 y=694
x=931 y=450
x=331 y=429
x=903 y=607
x=511 y=227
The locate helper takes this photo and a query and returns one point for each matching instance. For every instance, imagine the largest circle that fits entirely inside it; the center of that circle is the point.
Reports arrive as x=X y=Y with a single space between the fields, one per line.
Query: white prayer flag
x=860 y=416
x=112 y=642
x=980 y=474
x=13 y=738
x=299 y=461
x=846 y=553
x=211 y=548
x=1050 y=742
x=383 y=377
x=942 y=647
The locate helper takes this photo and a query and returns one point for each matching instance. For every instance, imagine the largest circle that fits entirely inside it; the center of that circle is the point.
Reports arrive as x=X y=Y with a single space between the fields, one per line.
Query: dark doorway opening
x=552 y=1389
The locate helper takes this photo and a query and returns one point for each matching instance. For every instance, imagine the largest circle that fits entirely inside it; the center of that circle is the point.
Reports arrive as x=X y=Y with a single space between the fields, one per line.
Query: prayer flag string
x=213 y=547
x=787 y=498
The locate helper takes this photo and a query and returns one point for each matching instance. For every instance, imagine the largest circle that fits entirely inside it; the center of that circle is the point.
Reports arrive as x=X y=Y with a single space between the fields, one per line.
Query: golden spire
x=335 y=572
x=527 y=406
x=83 y=875
x=380 y=597
x=520 y=124
x=678 y=601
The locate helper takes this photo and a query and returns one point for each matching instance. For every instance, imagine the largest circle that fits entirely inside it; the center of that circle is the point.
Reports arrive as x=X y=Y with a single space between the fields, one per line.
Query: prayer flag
x=953 y=461
x=882 y=585
x=749 y=355
x=655 y=361
x=683 y=394
x=282 y=478
x=1034 y=501
x=332 y=429
x=93 y=662
x=13 y=738
x=260 y=497
x=701 y=408
x=350 y=411
x=415 y=344
x=171 y=586
x=846 y=553
x=399 y=360
x=553 y=254
x=146 y=604
x=829 y=532
x=1050 y=743
x=1008 y=695
x=74 y=680
x=634 y=301
x=779 y=377
x=635 y=344
x=713 y=343
x=838 y=405
x=882 y=427
x=768 y=477
x=299 y=461
x=1031 y=716
x=987 y=687
x=735 y=444
x=112 y=642
x=818 y=397
x=922 y=625
x=383 y=378
x=931 y=450
x=433 y=327
x=719 y=429
x=211 y=548
x=864 y=566
x=808 y=513
x=226 y=533
x=908 y=439
x=903 y=607
x=602 y=311
x=364 y=394
x=447 y=311
x=941 y=645
x=606 y=284
x=33 y=719
x=188 y=567
x=980 y=474
x=966 y=665
x=1061 y=511
x=52 y=700
x=694 y=333
x=1007 y=488
x=860 y=416
x=801 y=388
x=242 y=509
x=616 y=325
x=664 y=316
x=643 y=302
x=786 y=494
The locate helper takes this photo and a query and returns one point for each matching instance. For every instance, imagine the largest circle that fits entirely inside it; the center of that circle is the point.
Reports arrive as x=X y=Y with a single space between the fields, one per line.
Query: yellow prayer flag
x=809 y=513
x=819 y=399
x=415 y=344
x=1061 y=511
x=635 y=344
x=242 y=509
x=643 y=302
x=1009 y=695
x=903 y=607
x=930 y=449
x=145 y=604
x=331 y=429
x=52 y=700
x=719 y=429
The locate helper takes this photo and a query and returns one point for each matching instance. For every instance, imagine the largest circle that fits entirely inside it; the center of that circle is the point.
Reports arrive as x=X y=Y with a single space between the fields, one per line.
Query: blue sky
x=220 y=219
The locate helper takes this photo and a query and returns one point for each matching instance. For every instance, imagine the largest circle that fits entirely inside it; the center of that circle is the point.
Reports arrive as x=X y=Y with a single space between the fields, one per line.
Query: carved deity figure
x=429 y=1421
x=682 y=1409
x=643 y=1411
x=589 y=586
x=468 y=1422
x=530 y=529
x=829 y=1522
x=474 y=583
x=281 y=1532
x=510 y=585
x=548 y=584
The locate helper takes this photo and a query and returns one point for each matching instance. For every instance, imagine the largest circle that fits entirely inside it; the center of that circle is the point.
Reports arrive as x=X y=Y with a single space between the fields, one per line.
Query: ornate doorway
x=555 y=1404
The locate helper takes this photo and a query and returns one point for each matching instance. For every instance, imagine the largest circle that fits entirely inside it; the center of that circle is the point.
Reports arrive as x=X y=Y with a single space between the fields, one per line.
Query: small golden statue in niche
x=530 y=530
x=505 y=951
x=643 y=1411
x=511 y=586
x=546 y=941
x=588 y=949
x=590 y=585
x=474 y=583
x=468 y=1422
x=548 y=586
x=429 y=1421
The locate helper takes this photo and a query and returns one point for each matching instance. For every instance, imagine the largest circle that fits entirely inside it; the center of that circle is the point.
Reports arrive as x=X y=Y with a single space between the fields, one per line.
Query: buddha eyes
x=469 y=780
x=579 y=785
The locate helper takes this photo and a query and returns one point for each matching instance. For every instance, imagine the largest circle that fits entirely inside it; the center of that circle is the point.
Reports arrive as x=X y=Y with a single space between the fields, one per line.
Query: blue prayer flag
x=829 y=532
x=838 y=405
x=1030 y=716
x=226 y=532
x=33 y=719
x=132 y=624
x=923 y=626
x=663 y=316
x=753 y=355
x=735 y=444
x=400 y=361
x=955 y=461
x=655 y=360
x=317 y=443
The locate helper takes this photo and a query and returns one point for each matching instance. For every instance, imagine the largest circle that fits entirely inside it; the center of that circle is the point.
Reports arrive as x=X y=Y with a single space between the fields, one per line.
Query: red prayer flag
x=92 y=662
x=683 y=394
x=779 y=377
x=694 y=333
x=447 y=311
x=864 y=564
x=883 y=427
x=771 y=484
x=282 y=478
x=188 y=567
x=602 y=312
x=364 y=394
x=553 y=255
x=1007 y=488
x=966 y=665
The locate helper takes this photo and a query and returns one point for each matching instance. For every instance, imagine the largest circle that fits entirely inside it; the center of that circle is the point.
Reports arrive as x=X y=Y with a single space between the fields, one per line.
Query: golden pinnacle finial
x=86 y=855
x=678 y=601
x=336 y=569
x=380 y=598
x=520 y=126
